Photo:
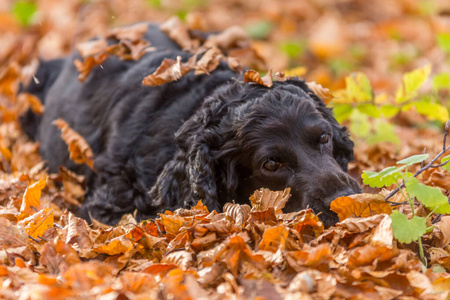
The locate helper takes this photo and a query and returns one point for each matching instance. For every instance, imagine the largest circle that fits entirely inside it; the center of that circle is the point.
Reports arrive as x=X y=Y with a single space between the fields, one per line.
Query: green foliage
x=24 y=11
x=443 y=41
x=446 y=166
x=368 y=114
x=385 y=177
x=259 y=30
x=293 y=49
x=412 y=81
x=415 y=159
x=441 y=81
x=406 y=231
x=431 y=197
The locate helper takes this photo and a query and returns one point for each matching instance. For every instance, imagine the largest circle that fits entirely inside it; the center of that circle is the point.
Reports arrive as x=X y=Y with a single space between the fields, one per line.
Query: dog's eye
x=271 y=165
x=324 y=138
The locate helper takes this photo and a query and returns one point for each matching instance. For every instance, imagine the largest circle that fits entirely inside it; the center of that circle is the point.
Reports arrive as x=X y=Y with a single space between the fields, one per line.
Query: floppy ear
x=191 y=174
x=342 y=146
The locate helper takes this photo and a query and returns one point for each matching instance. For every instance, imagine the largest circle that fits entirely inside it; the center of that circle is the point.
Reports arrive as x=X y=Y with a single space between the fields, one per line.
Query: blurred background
x=365 y=52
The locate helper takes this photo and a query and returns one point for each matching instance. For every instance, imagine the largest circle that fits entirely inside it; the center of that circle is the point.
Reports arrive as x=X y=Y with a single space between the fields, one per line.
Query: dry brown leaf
x=320 y=91
x=74 y=185
x=307 y=223
x=237 y=212
x=78 y=233
x=85 y=67
x=172 y=223
x=357 y=225
x=32 y=102
x=232 y=37
x=310 y=256
x=253 y=77
x=118 y=245
x=12 y=236
x=128 y=50
x=133 y=33
x=209 y=61
x=92 y=48
x=169 y=70
x=79 y=149
x=38 y=223
x=31 y=198
x=274 y=238
x=368 y=254
x=444 y=227
x=236 y=253
x=267 y=216
x=183 y=259
x=265 y=198
x=57 y=256
x=175 y=29
x=360 y=205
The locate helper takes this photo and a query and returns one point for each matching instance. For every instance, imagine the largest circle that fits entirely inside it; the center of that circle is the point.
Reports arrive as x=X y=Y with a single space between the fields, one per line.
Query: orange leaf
x=169 y=70
x=89 y=63
x=265 y=198
x=118 y=245
x=38 y=223
x=80 y=151
x=209 y=61
x=360 y=205
x=91 y=48
x=274 y=238
x=200 y=207
x=12 y=236
x=31 y=198
x=320 y=91
x=313 y=256
x=133 y=33
x=253 y=76
x=33 y=102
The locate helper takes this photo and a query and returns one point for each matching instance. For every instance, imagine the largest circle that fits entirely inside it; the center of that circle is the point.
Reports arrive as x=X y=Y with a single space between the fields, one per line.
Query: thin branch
x=428 y=166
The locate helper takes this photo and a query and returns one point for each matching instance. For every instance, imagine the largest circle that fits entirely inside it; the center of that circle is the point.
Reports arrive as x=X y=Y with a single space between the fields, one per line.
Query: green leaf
x=406 y=231
x=359 y=124
x=358 y=88
x=446 y=166
x=412 y=81
x=293 y=49
x=384 y=132
x=415 y=159
x=342 y=112
x=433 y=111
x=389 y=111
x=443 y=41
x=24 y=11
x=384 y=178
x=431 y=197
x=259 y=30
x=441 y=81
x=369 y=109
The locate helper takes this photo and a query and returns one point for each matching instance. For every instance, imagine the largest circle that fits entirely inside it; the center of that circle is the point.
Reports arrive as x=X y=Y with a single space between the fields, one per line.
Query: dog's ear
x=342 y=145
x=191 y=174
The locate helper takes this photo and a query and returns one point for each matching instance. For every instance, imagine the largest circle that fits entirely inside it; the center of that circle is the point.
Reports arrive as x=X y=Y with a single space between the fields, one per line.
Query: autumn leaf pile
x=250 y=251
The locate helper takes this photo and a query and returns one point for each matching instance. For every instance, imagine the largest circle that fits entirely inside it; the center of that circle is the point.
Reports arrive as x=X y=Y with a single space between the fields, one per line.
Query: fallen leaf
x=38 y=223
x=31 y=198
x=169 y=70
x=133 y=33
x=85 y=67
x=57 y=257
x=237 y=212
x=32 y=102
x=175 y=29
x=183 y=259
x=12 y=236
x=232 y=37
x=360 y=205
x=92 y=48
x=209 y=61
x=252 y=76
x=273 y=239
x=264 y=198
x=320 y=91
x=79 y=149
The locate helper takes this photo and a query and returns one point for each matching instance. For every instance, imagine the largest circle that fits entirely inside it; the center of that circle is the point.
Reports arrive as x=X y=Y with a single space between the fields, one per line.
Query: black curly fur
x=202 y=137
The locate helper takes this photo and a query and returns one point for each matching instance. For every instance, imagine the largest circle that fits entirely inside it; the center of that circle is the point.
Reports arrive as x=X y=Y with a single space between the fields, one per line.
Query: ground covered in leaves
x=250 y=251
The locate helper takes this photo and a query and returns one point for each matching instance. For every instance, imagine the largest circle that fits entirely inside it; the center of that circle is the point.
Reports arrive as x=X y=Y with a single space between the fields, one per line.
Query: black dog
x=210 y=137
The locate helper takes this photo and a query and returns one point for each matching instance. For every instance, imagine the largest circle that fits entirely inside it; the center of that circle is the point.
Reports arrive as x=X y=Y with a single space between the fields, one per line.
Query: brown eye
x=271 y=165
x=324 y=138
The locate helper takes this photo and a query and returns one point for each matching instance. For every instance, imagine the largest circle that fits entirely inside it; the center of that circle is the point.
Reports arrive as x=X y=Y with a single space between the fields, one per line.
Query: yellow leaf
x=360 y=205
x=38 y=223
x=31 y=198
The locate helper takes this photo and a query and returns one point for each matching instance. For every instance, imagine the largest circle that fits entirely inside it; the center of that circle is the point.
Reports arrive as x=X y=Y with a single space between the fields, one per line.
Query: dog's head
x=247 y=137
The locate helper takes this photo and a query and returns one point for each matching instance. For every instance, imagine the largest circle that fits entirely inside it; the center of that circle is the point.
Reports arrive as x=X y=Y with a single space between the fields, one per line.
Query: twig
x=428 y=166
